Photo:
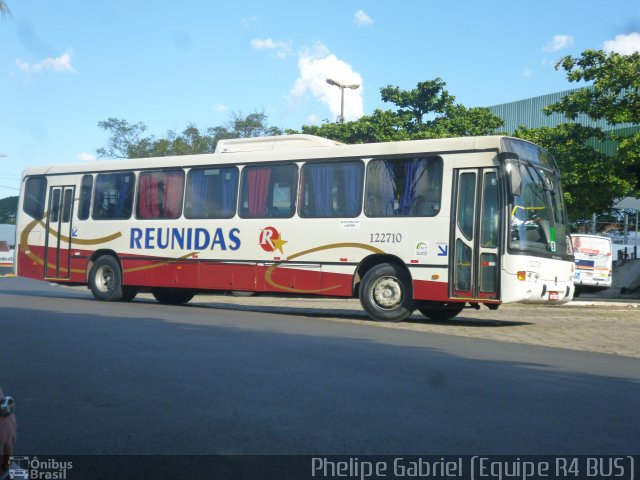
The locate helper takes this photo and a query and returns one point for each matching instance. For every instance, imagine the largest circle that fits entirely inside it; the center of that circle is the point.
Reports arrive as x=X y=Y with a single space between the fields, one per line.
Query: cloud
x=361 y=19
x=559 y=42
x=59 y=64
x=312 y=119
x=623 y=44
x=249 y=22
x=527 y=72
x=86 y=157
x=219 y=108
x=281 y=49
x=315 y=65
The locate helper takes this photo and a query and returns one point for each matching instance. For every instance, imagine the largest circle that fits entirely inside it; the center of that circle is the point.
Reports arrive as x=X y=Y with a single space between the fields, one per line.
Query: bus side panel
x=227 y=276
x=159 y=272
x=304 y=279
x=29 y=265
x=430 y=290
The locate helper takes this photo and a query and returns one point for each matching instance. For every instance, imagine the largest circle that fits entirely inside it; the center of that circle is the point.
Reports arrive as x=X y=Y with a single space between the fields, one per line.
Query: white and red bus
x=435 y=225
x=594 y=262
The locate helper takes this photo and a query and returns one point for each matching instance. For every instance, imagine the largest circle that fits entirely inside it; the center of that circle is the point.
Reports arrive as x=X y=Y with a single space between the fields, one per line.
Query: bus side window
x=331 y=189
x=84 y=204
x=35 y=191
x=269 y=191
x=160 y=194
x=401 y=187
x=113 y=196
x=211 y=192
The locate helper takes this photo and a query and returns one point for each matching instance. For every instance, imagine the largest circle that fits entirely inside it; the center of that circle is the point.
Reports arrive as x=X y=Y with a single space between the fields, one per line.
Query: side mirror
x=512 y=163
x=515 y=180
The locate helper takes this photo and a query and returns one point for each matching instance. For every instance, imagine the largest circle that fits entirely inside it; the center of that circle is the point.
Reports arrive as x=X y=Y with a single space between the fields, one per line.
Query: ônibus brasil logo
x=271 y=240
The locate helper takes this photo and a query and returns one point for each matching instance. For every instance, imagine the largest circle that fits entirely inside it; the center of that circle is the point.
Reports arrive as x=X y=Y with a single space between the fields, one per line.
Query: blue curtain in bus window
x=258 y=183
x=352 y=185
x=229 y=191
x=122 y=204
x=322 y=185
x=414 y=174
x=198 y=192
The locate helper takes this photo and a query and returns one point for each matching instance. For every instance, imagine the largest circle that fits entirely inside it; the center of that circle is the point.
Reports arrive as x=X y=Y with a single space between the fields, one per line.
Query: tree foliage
x=4 y=9
x=128 y=140
x=614 y=96
x=123 y=135
x=8 y=210
x=427 y=111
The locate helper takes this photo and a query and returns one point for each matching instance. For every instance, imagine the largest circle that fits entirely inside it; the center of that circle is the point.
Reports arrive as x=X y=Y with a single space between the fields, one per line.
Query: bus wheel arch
x=96 y=255
x=105 y=277
x=383 y=284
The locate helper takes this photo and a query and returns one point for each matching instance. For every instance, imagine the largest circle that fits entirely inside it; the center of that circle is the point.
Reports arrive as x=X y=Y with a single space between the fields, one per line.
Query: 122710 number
x=385 y=237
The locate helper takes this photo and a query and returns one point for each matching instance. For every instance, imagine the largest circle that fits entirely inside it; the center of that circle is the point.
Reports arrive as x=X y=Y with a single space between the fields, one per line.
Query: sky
x=66 y=65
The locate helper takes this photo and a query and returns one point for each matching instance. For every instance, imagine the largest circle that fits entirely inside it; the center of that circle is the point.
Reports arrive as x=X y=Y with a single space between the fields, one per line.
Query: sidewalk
x=611 y=327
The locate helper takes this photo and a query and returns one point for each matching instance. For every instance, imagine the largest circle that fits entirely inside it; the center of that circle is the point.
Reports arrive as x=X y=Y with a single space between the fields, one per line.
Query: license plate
x=554 y=295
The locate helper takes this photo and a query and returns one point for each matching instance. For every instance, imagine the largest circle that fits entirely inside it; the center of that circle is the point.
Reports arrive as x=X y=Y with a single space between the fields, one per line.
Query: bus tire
x=385 y=293
x=172 y=296
x=105 y=279
x=441 y=311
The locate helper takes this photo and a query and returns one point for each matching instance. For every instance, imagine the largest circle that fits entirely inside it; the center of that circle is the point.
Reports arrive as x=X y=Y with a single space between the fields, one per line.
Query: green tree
x=127 y=140
x=614 y=96
x=253 y=125
x=8 y=210
x=4 y=9
x=427 y=111
x=123 y=136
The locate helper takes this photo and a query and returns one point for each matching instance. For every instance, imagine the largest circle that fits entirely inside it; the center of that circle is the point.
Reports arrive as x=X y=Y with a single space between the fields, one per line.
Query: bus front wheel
x=385 y=293
x=105 y=280
x=172 y=296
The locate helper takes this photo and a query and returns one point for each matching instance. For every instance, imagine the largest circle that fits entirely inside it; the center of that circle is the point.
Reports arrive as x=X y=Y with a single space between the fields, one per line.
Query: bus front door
x=57 y=252
x=474 y=263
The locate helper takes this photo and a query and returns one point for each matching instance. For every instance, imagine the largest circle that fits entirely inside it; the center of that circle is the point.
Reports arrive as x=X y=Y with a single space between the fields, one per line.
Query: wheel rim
x=387 y=292
x=104 y=279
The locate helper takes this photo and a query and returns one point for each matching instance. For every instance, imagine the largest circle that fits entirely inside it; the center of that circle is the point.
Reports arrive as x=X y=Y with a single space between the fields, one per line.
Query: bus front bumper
x=535 y=289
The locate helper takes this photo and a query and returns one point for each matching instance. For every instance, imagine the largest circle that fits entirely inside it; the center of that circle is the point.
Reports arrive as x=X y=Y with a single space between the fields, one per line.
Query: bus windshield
x=538 y=220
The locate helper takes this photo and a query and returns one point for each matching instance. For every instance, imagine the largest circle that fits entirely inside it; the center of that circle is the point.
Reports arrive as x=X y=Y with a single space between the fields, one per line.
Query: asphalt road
x=142 y=378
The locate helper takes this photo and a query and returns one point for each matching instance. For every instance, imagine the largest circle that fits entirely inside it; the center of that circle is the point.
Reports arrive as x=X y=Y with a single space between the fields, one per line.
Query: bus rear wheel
x=441 y=311
x=172 y=296
x=385 y=293
x=105 y=280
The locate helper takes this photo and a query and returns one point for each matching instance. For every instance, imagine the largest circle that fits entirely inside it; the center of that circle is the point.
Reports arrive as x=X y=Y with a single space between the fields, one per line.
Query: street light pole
x=352 y=86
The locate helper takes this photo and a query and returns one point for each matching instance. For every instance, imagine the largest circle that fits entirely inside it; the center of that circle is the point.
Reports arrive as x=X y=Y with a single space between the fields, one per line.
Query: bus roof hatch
x=280 y=142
